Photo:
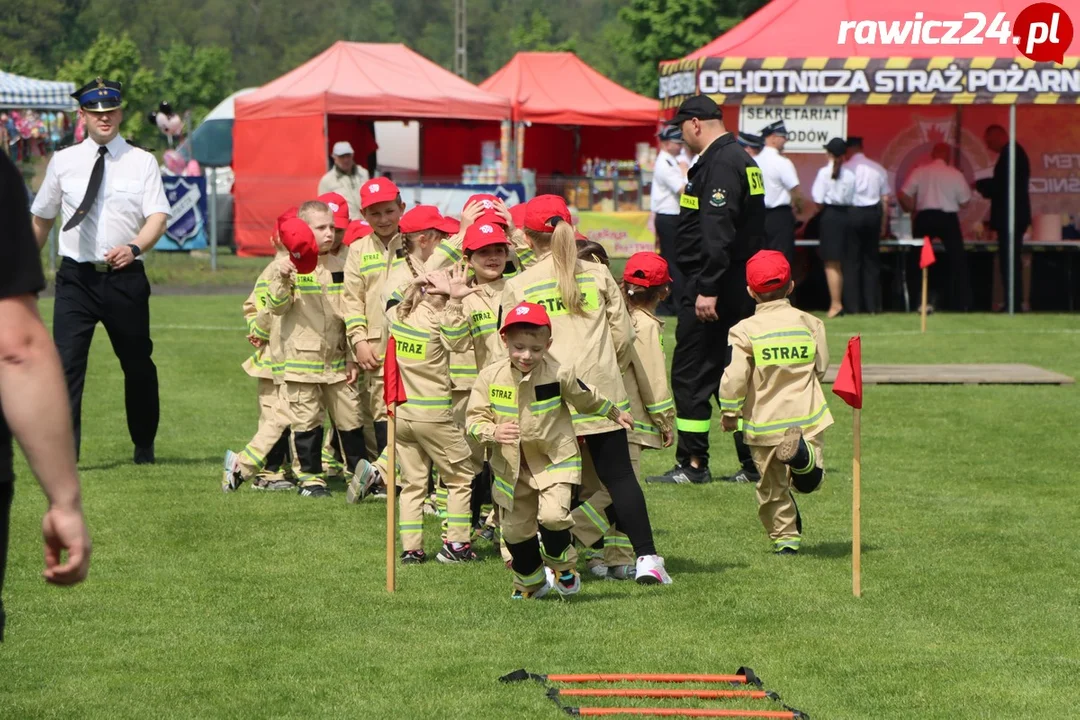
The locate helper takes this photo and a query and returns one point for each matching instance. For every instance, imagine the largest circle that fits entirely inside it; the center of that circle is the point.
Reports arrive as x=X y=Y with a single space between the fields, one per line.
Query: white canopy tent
x=17 y=91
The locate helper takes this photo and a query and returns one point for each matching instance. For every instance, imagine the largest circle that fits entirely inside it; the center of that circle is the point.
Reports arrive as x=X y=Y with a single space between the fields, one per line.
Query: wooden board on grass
x=959 y=374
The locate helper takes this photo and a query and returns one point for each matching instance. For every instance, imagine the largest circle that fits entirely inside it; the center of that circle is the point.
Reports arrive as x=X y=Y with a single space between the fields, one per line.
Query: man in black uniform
x=721 y=224
x=33 y=397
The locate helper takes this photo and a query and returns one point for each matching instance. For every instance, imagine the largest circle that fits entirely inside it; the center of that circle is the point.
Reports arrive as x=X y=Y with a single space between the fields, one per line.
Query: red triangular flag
x=393 y=389
x=926 y=258
x=848 y=383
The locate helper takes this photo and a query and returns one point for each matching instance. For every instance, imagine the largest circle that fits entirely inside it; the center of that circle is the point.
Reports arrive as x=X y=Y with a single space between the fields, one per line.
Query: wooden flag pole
x=925 y=283
x=391 y=495
x=856 y=504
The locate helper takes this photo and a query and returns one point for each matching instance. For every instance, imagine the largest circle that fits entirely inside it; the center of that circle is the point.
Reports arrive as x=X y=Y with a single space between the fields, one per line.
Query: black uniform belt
x=837 y=207
x=100 y=267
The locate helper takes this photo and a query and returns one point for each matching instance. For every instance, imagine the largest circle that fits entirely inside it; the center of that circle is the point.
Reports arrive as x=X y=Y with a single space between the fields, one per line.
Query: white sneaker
x=363 y=482
x=568 y=583
x=231 y=479
x=650 y=571
x=549 y=585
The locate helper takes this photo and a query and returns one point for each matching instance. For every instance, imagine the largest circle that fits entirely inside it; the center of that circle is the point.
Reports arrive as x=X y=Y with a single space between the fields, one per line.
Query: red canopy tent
x=573 y=112
x=283 y=131
x=834 y=53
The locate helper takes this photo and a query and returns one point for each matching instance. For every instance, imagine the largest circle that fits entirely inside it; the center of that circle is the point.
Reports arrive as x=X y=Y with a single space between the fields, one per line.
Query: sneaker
x=547 y=587
x=314 y=491
x=363 y=482
x=231 y=478
x=650 y=571
x=413 y=557
x=621 y=572
x=683 y=475
x=486 y=533
x=567 y=583
x=270 y=484
x=378 y=492
x=744 y=476
x=594 y=562
x=453 y=553
x=786 y=551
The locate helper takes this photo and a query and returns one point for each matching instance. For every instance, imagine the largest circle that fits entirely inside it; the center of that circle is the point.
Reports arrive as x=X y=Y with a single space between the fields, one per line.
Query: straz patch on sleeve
x=688 y=201
x=755 y=180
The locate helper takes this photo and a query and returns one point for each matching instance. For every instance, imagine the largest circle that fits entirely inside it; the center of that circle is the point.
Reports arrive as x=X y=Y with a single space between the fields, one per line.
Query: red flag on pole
x=393 y=389
x=848 y=385
x=926 y=258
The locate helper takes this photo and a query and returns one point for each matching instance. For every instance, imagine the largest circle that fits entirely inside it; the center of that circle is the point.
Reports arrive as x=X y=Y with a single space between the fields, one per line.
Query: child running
x=592 y=333
x=519 y=406
x=646 y=283
x=778 y=360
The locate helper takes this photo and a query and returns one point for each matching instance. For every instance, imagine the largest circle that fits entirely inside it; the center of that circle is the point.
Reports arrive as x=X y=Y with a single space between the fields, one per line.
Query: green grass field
x=250 y=605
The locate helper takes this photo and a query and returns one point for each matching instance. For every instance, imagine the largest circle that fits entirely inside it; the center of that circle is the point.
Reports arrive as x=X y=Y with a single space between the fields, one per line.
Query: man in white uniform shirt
x=114 y=208
x=781 y=191
x=669 y=179
x=868 y=223
x=934 y=193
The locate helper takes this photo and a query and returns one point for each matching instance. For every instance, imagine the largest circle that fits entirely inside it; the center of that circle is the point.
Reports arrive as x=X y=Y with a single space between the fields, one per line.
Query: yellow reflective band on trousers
x=696 y=426
x=595 y=518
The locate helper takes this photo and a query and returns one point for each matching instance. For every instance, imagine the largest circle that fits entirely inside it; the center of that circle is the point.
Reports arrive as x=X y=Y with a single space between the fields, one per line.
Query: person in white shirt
x=115 y=209
x=782 y=199
x=868 y=222
x=834 y=191
x=345 y=178
x=669 y=179
x=934 y=194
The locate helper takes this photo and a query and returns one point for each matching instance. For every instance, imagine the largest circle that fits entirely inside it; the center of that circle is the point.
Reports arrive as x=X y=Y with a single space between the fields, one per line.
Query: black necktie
x=91 y=190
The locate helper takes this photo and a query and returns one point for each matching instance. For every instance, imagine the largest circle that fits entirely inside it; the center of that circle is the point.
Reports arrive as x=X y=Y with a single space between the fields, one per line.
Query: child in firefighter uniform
x=319 y=373
x=519 y=407
x=778 y=359
x=487 y=252
x=265 y=458
x=426 y=433
x=646 y=282
x=366 y=269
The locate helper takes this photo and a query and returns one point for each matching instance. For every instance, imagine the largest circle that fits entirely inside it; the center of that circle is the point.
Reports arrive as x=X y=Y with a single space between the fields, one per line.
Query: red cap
x=526 y=313
x=298 y=239
x=646 y=269
x=767 y=270
x=517 y=214
x=287 y=215
x=339 y=206
x=356 y=230
x=488 y=201
x=377 y=190
x=543 y=208
x=420 y=218
x=449 y=225
x=482 y=234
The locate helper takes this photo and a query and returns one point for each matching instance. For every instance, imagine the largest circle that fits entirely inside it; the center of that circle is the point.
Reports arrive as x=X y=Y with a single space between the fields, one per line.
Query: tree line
x=196 y=53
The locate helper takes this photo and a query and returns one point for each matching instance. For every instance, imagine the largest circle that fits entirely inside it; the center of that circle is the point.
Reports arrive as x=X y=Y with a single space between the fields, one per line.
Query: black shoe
x=744 y=476
x=786 y=551
x=451 y=555
x=413 y=557
x=683 y=475
x=144 y=456
x=314 y=491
